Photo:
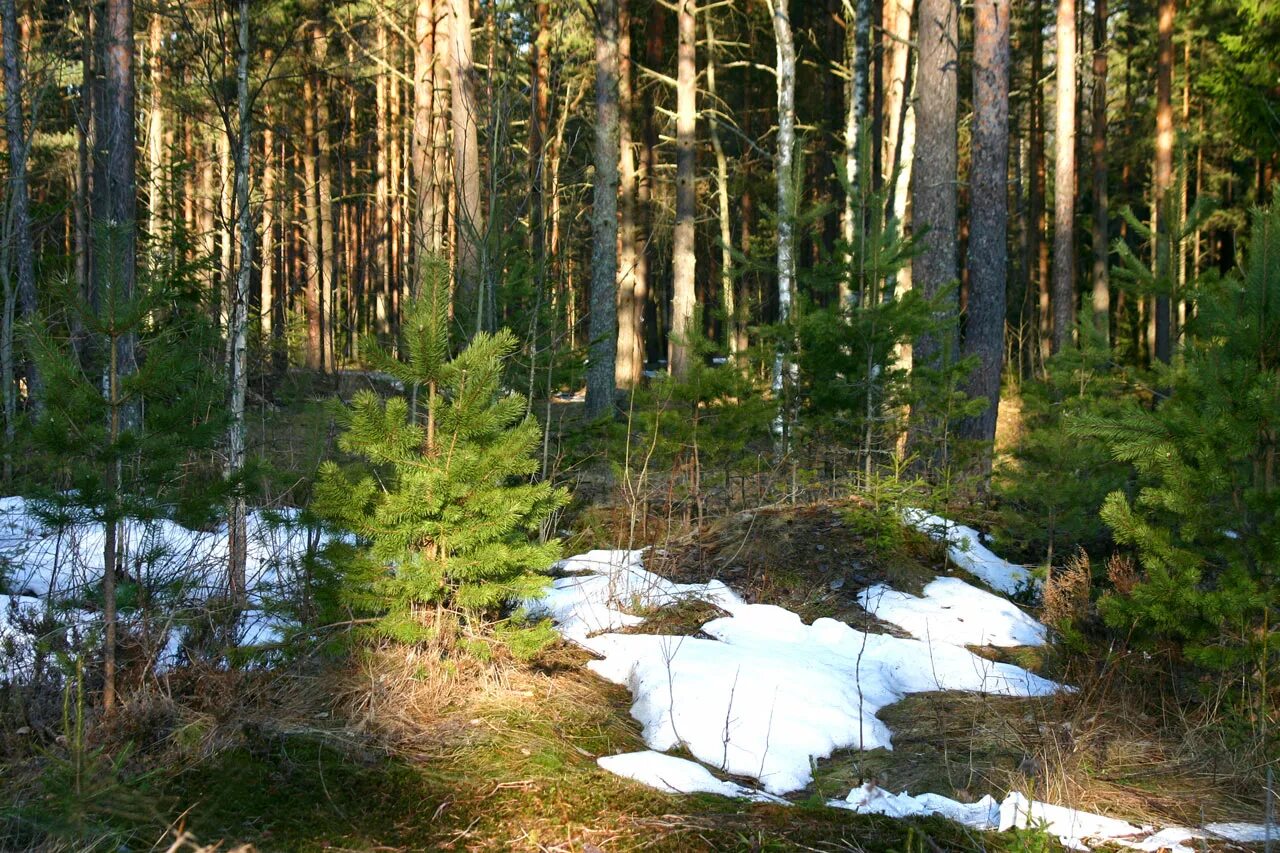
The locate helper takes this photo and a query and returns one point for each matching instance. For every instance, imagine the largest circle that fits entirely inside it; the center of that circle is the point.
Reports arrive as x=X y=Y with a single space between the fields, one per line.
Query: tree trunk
x=267 y=301
x=630 y=354
x=722 y=195
x=601 y=386
x=684 y=262
x=155 y=128
x=988 y=215
x=1037 y=246
x=1064 y=180
x=472 y=305
x=324 y=195
x=934 y=177
x=427 y=182
x=20 y=233
x=784 y=170
x=314 y=306
x=1101 y=250
x=1164 y=179
x=857 y=96
x=237 y=379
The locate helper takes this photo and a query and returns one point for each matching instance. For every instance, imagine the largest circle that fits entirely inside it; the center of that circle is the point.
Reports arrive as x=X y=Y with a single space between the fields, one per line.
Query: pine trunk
x=1064 y=179
x=684 y=262
x=1101 y=238
x=988 y=215
x=601 y=386
x=630 y=354
x=472 y=303
x=1164 y=179
x=934 y=177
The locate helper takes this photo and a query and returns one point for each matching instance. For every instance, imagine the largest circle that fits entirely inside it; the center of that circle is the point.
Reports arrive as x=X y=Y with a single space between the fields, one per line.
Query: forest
x=602 y=425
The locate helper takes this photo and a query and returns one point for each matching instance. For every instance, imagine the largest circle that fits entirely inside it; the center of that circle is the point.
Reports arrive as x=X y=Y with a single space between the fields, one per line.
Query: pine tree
x=1205 y=522
x=443 y=505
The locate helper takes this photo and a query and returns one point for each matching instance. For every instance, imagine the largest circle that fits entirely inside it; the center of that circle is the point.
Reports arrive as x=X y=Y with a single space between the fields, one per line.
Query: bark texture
x=601 y=386
x=683 y=295
x=1064 y=180
x=988 y=213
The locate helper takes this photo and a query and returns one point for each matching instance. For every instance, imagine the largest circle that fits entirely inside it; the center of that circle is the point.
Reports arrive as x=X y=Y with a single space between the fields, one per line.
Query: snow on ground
x=952 y=611
x=65 y=561
x=600 y=588
x=760 y=694
x=677 y=776
x=766 y=694
x=46 y=571
x=967 y=551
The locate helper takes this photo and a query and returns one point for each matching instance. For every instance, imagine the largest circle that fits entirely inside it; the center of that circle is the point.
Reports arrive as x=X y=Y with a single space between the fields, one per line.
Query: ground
x=391 y=752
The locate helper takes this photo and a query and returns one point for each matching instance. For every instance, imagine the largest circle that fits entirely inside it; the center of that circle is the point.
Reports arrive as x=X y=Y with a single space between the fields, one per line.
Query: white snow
x=603 y=589
x=760 y=694
x=677 y=776
x=46 y=572
x=952 y=611
x=967 y=551
x=766 y=694
x=870 y=799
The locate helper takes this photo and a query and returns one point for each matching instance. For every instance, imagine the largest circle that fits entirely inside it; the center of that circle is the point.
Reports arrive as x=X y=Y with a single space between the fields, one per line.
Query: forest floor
x=387 y=755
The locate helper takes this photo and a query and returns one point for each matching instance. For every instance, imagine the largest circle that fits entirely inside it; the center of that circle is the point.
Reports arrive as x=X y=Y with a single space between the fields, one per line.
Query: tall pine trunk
x=472 y=302
x=314 y=307
x=630 y=354
x=727 y=301
x=1101 y=250
x=604 y=216
x=988 y=215
x=20 y=236
x=683 y=260
x=934 y=176
x=1064 y=179
x=1164 y=179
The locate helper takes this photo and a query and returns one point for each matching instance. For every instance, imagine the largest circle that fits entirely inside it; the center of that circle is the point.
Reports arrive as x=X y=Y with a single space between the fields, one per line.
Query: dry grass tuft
x=1067 y=592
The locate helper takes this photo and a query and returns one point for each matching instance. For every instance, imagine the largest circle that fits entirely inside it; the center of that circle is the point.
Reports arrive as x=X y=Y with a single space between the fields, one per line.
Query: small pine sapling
x=1205 y=522
x=444 y=503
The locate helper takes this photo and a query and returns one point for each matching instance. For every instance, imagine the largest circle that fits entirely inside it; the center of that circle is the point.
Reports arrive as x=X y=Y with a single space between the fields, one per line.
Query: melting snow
x=967 y=551
x=760 y=694
x=953 y=611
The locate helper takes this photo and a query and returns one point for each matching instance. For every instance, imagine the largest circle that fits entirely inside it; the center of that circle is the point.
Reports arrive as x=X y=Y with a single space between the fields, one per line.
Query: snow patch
x=952 y=611
x=967 y=551
x=678 y=776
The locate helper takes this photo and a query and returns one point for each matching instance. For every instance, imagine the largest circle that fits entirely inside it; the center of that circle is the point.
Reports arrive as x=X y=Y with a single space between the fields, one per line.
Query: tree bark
x=784 y=173
x=1064 y=180
x=1101 y=238
x=472 y=302
x=630 y=354
x=324 y=195
x=601 y=386
x=934 y=177
x=722 y=195
x=684 y=262
x=19 y=202
x=314 y=306
x=237 y=378
x=988 y=215
x=1164 y=179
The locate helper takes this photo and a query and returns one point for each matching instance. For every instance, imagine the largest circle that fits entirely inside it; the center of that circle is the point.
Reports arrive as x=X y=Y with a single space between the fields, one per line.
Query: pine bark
x=314 y=306
x=630 y=353
x=1164 y=178
x=601 y=387
x=324 y=195
x=23 y=245
x=1064 y=179
x=1101 y=238
x=684 y=262
x=472 y=301
x=988 y=214
x=727 y=301
x=934 y=177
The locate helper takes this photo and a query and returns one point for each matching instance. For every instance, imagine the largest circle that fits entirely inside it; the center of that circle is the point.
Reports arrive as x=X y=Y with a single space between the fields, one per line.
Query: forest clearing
x=610 y=425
